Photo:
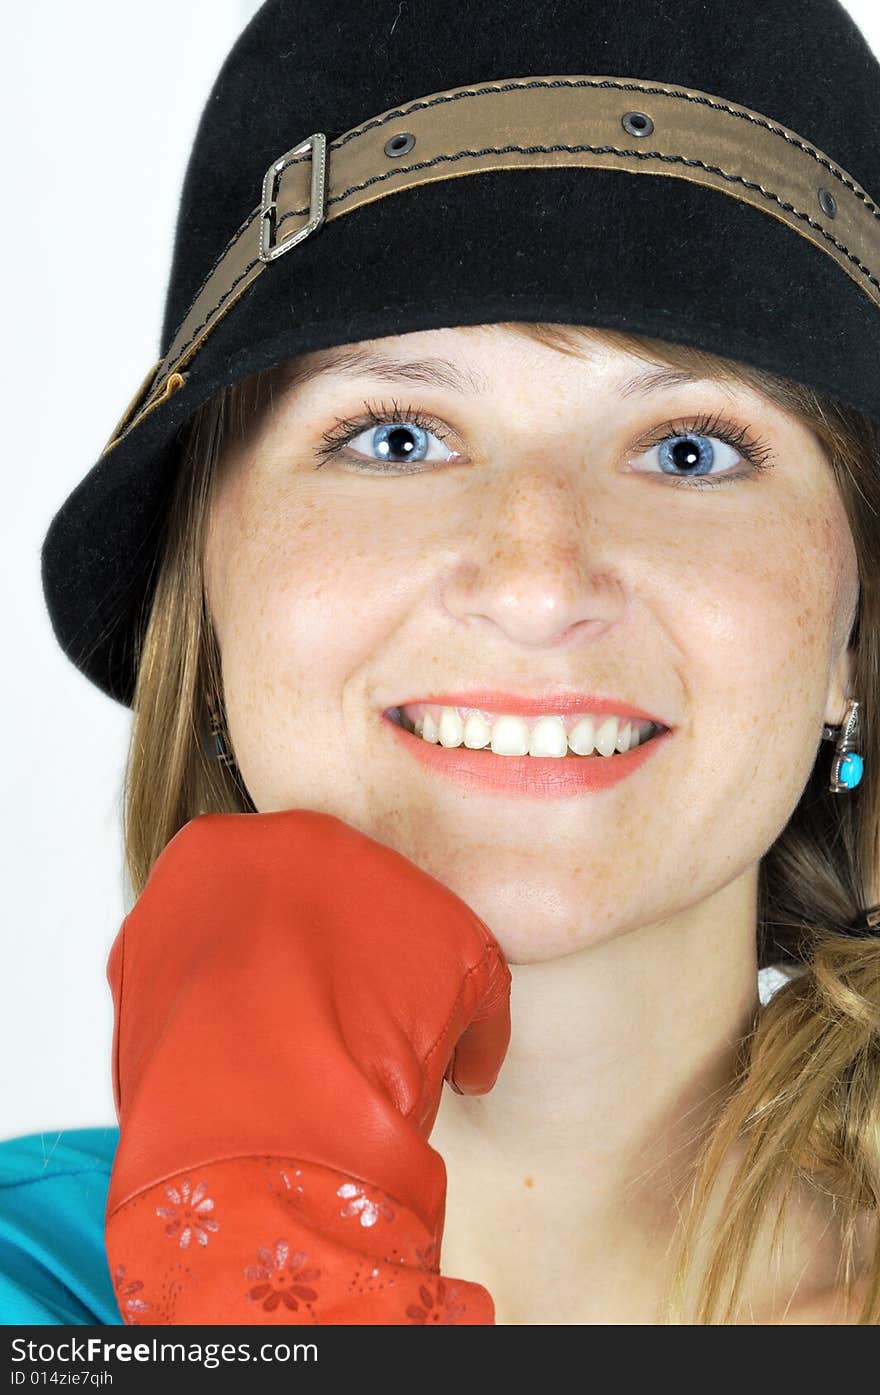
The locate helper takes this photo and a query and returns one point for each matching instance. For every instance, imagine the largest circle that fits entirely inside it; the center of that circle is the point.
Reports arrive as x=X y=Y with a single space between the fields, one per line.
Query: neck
x=617 y=1055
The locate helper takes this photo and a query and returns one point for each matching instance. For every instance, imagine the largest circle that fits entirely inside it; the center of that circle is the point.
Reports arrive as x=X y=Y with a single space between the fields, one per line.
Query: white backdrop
x=89 y=91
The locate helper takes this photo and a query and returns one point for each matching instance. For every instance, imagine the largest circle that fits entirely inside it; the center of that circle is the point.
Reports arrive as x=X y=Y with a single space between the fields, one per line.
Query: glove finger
x=480 y=1050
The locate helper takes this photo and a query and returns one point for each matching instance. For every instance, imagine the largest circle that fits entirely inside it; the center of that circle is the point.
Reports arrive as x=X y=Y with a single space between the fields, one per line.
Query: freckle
x=529 y=1181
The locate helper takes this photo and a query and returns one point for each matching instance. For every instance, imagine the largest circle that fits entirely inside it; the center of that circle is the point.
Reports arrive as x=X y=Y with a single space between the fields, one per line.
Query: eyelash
x=755 y=452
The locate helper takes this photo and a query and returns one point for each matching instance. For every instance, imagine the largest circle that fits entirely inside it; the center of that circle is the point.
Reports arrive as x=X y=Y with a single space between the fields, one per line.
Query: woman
x=376 y=543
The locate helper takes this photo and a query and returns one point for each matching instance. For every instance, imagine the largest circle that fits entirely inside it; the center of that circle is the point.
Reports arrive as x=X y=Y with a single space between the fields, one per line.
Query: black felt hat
x=695 y=170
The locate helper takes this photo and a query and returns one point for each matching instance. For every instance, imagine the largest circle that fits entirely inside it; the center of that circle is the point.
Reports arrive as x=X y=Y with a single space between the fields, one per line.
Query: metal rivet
x=401 y=144
x=827 y=203
x=637 y=123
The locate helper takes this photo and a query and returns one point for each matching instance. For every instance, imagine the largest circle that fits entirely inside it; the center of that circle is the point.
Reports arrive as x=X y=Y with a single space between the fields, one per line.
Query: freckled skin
x=554 y=554
x=336 y=593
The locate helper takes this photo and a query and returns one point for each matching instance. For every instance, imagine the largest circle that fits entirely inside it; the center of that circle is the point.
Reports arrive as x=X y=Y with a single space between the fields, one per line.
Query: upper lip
x=536 y=705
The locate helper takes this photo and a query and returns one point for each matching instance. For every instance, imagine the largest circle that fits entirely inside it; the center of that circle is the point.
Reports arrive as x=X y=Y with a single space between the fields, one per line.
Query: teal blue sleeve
x=53 y=1193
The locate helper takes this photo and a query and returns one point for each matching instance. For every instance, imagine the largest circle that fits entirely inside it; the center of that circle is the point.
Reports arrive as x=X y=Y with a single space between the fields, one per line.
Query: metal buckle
x=269 y=248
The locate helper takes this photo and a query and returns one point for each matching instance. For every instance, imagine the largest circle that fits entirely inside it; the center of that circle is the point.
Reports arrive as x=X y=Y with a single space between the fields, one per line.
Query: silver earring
x=218 y=749
x=847 y=765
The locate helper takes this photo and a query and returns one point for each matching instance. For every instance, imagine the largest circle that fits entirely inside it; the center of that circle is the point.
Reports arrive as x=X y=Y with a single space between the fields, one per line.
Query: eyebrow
x=360 y=363
x=443 y=373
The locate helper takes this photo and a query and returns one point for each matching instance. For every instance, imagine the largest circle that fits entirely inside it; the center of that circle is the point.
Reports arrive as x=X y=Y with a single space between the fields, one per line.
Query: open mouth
x=551 y=737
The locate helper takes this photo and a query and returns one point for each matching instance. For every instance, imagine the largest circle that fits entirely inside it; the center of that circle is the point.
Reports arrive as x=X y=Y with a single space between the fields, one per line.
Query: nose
x=534 y=561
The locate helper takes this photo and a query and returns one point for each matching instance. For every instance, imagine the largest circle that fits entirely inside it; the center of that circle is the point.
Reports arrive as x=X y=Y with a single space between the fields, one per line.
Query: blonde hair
x=803 y=1107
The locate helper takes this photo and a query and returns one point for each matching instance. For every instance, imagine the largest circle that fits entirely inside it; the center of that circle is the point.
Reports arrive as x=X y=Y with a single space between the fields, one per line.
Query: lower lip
x=551 y=777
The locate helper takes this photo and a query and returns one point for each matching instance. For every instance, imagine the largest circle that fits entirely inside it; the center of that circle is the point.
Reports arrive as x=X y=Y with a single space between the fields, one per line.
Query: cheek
x=278 y=598
x=299 y=610
x=760 y=653
x=779 y=590
x=810 y=592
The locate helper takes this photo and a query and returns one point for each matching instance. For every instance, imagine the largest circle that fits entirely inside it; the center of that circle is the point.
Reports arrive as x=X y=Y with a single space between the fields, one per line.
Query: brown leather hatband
x=598 y=122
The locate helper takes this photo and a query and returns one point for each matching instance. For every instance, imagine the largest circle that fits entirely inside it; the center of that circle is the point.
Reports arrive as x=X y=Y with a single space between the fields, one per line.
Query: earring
x=847 y=765
x=220 y=752
x=218 y=749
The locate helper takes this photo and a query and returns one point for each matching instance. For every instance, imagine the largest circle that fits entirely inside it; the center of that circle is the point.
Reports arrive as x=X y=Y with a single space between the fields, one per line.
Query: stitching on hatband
x=602 y=150
x=599 y=150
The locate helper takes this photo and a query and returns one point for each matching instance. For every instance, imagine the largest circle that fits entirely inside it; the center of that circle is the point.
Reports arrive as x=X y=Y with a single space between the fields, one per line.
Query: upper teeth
x=550 y=735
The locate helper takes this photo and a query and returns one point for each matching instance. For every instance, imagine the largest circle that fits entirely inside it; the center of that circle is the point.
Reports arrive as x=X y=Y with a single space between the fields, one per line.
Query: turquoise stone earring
x=847 y=765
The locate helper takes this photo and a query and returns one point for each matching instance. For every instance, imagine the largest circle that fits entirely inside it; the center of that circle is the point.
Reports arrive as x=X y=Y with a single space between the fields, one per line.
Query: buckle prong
x=269 y=248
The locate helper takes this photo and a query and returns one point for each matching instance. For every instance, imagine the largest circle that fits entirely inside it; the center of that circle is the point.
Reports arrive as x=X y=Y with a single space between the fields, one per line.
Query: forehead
x=468 y=360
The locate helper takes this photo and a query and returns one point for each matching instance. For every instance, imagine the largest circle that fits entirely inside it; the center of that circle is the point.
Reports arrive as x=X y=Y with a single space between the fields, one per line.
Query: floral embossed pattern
x=440 y=1306
x=187 y=1217
x=282 y=1278
x=300 y=1243
x=128 y=1296
x=368 y=1208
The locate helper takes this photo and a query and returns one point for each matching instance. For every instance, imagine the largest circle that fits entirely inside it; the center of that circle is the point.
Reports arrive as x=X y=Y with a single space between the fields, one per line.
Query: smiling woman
x=715 y=612
x=485 y=560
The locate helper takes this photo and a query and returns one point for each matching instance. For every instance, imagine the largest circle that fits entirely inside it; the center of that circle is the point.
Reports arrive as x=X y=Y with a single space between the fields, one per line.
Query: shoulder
x=53 y=1192
x=38 y=1157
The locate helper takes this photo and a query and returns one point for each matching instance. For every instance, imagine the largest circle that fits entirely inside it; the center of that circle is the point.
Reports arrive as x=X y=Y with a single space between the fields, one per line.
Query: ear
x=840 y=688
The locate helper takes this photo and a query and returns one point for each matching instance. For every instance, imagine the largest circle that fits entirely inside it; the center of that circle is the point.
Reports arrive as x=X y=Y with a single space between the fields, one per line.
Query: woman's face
x=527 y=521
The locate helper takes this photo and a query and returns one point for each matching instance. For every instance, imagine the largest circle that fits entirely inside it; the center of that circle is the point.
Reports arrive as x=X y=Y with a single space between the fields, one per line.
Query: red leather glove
x=289 y=996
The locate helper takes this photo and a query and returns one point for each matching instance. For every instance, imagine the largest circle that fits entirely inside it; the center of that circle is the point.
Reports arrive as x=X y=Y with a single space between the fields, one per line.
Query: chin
x=535 y=911
x=533 y=921
x=527 y=948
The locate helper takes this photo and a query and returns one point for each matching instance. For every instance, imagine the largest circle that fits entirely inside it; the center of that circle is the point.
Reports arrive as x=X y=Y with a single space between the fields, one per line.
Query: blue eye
x=385 y=438
x=694 y=454
x=692 y=445
x=397 y=443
